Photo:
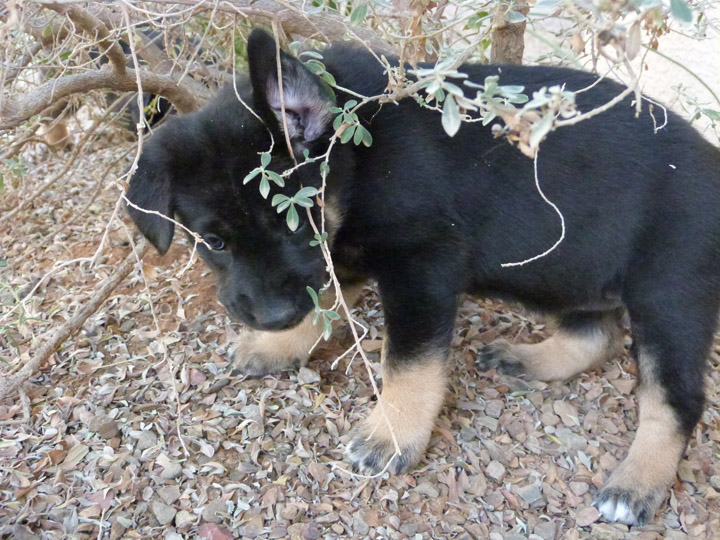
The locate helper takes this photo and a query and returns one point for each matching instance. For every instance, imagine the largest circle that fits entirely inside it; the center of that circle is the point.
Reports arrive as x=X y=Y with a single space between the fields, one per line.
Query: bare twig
x=12 y=382
x=96 y=28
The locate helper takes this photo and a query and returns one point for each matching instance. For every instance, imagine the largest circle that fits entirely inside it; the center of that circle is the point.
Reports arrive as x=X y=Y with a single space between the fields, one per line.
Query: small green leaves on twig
x=266 y=176
x=327 y=315
x=347 y=124
x=315 y=66
x=301 y=198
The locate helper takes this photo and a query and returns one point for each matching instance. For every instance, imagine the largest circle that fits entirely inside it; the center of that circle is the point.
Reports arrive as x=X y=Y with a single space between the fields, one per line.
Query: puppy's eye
x=215 y=242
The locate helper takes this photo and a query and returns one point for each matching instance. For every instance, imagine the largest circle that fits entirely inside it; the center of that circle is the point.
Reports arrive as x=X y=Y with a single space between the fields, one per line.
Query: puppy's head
x=193 y=169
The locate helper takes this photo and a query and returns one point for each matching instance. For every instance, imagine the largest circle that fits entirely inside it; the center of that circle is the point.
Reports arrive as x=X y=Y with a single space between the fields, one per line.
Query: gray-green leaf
x=681 y=10
x=293 y=220
x=451 y=116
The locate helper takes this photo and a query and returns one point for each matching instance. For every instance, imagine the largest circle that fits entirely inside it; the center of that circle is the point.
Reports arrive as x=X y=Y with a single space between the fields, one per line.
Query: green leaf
x=358 y=14
x=338 y=122
x=350 y=104
x=328 y=78
x=681 y=11
x=327 y=328
x=710 y=113
x=319 y=239
x=367 y=138
x=540 y=129
x=275 y=177
x=264 y=187
x=451 y=116
x=279 y=198
x=304 y=202
x=315 y=67
x=3 y=264
x=252 y=175
x=306 y=192
x=293 y=220
x=283 y=206
x=324 y=168
x=306 y=153
x=357 y=139
x=313 y=295
x=347 y=134
x=311 y=54
x=330 y=314
x=265 y=159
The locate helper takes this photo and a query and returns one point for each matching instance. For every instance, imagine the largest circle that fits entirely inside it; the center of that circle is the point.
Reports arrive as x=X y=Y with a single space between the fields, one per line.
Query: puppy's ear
x=307 y=97
x=150 y=190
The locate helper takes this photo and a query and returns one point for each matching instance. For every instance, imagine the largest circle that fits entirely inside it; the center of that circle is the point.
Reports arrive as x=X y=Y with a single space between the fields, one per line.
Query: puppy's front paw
x=372 y=448
x=260 y=353
x=410 y=401
x=499 y=355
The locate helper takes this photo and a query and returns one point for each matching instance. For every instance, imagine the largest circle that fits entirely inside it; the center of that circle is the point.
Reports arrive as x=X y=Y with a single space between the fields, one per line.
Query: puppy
x=432 y=217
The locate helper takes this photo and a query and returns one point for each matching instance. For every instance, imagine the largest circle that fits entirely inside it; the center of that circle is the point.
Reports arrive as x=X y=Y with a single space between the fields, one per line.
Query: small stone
x=184 y=519
x=163 y=512
x=146 y=439
x=572 y=441
x=715 y=482
x=624 y=386
x=587 y=516
x=210 y=513
x=171 y=470
x=483 y=421
x=308 y=376
x=117 y=530
x=546 y=530
x=579 y=488
x=495 y=470
x=426 y=488
x=408 y=529
x=311 y=531
x=169 y=494
x=358 y=524
x=603 y=531
x=531 y=494
x=671 y=534
x=278 y=531
x=494 y=408
x=685 y=472
x=109 y=429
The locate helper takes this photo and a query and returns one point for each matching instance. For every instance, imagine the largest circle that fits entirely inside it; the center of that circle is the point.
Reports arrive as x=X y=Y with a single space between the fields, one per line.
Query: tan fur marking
x=651 y=463
x=564 y=355
x=266 y=352
x=333 y=218
x=411 y=400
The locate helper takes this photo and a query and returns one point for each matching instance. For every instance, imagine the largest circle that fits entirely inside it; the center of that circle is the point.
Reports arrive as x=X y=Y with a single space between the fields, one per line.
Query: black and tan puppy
x=432 y=217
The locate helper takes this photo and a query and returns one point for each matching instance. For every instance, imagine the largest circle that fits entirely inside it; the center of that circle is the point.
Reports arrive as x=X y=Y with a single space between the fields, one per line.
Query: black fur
x=431 y=217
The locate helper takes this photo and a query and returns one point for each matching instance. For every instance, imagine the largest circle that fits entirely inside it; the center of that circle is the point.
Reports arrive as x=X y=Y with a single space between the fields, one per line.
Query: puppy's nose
x=276 y=317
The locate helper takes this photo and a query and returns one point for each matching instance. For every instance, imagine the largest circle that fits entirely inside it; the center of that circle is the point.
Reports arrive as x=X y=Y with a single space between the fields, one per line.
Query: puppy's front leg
x=259 y=353
x=414 y=359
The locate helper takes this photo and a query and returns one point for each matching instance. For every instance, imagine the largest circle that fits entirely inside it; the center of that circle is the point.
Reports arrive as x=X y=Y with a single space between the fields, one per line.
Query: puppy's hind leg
x=584 y=339
x=673 y=331
x=259 y=353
